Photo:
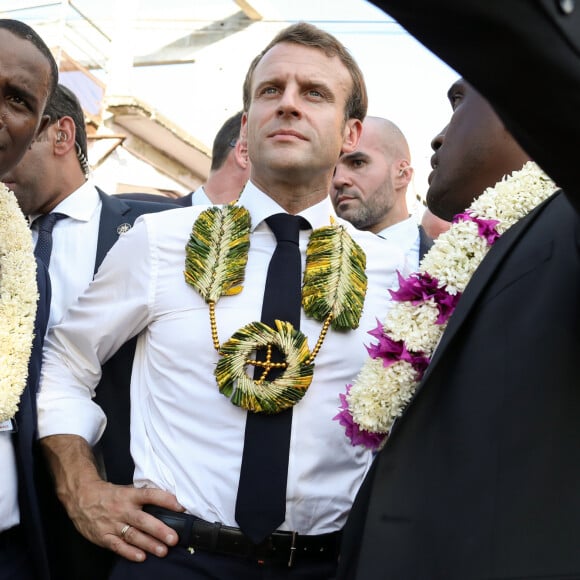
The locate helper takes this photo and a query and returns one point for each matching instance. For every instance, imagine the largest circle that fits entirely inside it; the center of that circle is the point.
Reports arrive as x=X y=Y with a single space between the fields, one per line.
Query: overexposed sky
x=406 y=82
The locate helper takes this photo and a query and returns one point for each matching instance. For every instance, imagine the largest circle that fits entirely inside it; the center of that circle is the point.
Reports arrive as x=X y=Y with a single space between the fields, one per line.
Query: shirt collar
x=261 y=206
x=404 y=232
x=200 y=197
x=79 y=205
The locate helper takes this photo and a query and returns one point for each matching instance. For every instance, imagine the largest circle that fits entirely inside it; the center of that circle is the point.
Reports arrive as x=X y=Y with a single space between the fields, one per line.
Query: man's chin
x=439 y=207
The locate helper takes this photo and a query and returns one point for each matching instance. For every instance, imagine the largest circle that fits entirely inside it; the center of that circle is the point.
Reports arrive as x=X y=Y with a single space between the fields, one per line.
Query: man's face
x=295 y=126
x=363 y=188
x=32 y=180
x=469 y=153
x=24 y=89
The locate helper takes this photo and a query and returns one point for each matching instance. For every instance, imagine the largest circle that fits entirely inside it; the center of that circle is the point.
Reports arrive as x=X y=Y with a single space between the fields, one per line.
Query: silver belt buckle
x=292 y=550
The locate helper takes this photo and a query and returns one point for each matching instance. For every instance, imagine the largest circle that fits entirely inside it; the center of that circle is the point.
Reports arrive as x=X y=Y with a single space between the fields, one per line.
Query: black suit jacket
x=183 y=201
x=71 y=556
x=25 y=441
x=479 y=477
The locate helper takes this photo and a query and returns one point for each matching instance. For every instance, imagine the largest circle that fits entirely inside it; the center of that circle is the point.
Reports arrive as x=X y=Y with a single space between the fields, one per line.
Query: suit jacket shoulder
x=184 y=200
x=118 y=216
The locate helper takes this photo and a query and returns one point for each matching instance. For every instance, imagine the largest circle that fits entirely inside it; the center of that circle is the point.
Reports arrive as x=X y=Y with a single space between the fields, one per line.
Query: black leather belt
x=280 y=547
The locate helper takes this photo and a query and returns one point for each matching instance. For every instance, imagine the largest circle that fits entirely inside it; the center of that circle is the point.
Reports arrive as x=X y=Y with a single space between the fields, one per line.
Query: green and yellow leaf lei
x=217 y=252
x=335 y=282
x=333 y=292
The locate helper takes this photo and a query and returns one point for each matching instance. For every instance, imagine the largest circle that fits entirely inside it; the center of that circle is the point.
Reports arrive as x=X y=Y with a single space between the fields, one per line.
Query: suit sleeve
x=523 y=56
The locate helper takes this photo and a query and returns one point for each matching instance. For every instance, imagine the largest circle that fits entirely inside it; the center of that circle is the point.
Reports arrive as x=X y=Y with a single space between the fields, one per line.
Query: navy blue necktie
x=43 y=247
x=261 y=501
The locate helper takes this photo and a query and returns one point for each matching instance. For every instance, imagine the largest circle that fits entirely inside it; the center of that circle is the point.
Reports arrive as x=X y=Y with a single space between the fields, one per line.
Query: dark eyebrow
x=354 y=156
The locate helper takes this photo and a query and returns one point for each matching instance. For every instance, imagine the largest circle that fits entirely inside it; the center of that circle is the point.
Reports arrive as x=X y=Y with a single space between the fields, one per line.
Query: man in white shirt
x=229 y=171
x=304 y=101
x=53 y=177
x=369 y=188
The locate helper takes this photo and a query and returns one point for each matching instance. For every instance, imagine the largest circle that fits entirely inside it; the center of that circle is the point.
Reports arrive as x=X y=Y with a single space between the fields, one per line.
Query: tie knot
x=286 y=227
x=46 y=222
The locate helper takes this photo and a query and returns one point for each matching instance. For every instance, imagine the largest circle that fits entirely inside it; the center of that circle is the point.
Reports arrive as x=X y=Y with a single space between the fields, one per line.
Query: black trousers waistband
x=280 y=547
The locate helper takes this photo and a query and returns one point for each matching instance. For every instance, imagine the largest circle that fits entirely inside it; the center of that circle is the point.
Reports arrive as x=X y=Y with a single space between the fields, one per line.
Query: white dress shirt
x=200 y=197
x=9 y=510
x=186 y=437
x=405 y=235
x=74 y=248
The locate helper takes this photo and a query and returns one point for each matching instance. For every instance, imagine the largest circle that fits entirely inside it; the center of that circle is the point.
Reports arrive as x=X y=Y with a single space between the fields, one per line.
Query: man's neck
x=294 y=197
x=395 y=215
x=222 y=188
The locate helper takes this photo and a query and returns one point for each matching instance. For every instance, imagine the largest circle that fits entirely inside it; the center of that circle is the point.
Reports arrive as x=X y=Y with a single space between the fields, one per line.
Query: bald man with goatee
x=369 y=188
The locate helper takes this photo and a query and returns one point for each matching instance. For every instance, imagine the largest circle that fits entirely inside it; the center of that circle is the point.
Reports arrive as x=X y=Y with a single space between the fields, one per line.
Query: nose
x=288 y=103
x=341 y=177
x=437 y=141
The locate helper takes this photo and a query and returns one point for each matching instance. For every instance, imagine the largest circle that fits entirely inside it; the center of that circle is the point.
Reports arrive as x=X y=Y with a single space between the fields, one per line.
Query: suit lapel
x=113 y=214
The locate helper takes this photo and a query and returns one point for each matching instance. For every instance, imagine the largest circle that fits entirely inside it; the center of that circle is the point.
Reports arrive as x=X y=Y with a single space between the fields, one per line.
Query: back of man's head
x=390 y=137
x=64 y=103
x=225 y=140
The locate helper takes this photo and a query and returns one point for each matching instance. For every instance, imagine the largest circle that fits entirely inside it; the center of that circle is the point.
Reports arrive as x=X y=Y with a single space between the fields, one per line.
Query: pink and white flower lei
x=424 y=303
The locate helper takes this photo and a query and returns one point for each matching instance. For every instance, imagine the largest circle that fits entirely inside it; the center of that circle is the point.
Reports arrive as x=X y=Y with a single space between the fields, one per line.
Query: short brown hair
x=308 y=35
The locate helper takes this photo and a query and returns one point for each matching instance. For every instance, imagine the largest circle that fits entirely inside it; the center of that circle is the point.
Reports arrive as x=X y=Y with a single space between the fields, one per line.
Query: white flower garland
x=425 y=301
x=18 y=298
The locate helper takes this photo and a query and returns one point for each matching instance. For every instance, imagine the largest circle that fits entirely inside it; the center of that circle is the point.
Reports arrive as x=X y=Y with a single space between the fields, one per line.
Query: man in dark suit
x=479 y=477
x=52 y=178
x=28 y=76
x=230 y=169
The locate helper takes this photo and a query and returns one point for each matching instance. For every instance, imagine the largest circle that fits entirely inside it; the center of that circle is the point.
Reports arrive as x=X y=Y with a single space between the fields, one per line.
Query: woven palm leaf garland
x=333 y=293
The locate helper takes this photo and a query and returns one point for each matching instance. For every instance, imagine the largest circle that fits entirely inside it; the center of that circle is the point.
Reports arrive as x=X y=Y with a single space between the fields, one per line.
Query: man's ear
x=65 y=135
x=241 y=152
x=244 y=128
x=404 y=172
x=241 y=149
x=351 y=137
